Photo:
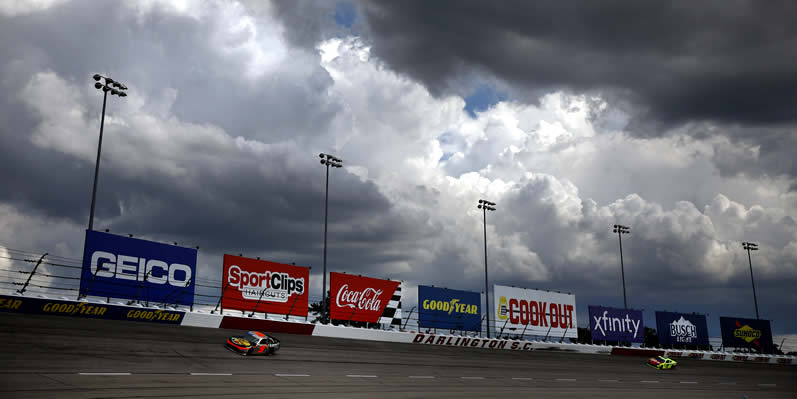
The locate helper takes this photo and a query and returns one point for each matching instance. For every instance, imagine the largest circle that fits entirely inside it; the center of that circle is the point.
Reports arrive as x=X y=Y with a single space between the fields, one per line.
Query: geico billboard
x=123 y=267
x=536 y=312
x=269 y=286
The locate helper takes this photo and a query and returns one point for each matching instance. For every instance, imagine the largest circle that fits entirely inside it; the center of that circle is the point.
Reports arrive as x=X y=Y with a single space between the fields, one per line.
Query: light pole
x=116 y=88
x=620 y=230
x=749 y=246
x=485 y=206
x=328 y=160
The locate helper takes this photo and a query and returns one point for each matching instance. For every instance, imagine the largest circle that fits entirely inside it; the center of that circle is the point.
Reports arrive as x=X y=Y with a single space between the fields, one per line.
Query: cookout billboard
x=123 y=267
x=263 y=286
x=746 y=333
x=535 y=312
x=681 y=328
x=613 y=324
x=449 y=309
x=359 y=298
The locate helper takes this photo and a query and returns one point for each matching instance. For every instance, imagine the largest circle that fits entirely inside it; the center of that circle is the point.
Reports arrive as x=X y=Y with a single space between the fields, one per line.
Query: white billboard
x=535 y=312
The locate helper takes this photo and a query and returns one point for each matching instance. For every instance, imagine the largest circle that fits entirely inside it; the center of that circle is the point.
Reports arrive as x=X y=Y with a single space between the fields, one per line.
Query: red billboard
x=271 y=287
x=359 y=298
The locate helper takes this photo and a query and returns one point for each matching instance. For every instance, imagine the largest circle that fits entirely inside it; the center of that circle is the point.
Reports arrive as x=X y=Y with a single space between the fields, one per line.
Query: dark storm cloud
x=714 y=60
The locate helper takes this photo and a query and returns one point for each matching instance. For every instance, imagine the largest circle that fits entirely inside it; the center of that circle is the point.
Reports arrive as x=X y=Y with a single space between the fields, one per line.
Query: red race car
x=253 y=343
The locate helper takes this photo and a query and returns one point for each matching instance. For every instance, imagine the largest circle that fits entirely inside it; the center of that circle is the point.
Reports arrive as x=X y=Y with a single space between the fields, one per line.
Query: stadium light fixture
x=334 y=162
x=750 y=246
x=485 y=206
x=105 y=84
x=620 y=230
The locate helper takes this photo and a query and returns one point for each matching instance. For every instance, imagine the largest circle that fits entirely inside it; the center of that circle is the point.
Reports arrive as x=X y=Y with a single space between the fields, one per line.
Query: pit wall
x=278 y=324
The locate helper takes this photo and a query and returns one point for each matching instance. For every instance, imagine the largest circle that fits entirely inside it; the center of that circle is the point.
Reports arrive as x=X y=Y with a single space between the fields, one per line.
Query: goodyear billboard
x=449 y=309
x=16 y=304
x=681 y=328
x=746 y=333
x=123 y=267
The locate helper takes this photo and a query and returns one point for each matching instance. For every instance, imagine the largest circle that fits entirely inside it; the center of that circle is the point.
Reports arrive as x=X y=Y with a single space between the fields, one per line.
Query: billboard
x=746 y=333
x=614 y=324
x=131 y=268
x=681 y=328
x=535 y=312
x=270 y=287
x=449 y=309
x=359 y=298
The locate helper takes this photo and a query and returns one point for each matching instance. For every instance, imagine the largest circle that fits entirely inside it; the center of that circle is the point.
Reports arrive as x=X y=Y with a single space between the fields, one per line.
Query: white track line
x=727 y=383
x=105 y=373
x=204 y=374
x=767 y=385
x=522 y=378
x=472 y=378
x=688 y=382
x=421 y=376
x=292 y=375
x=360 y=376
x=566 y=379
x=649 y=382
x=608 y=380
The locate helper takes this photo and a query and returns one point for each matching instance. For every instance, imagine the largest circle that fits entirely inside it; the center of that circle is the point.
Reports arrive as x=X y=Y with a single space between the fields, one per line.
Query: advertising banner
x=272 y=287
x=746 y=333
x=449 y=309
x=614 y=324
x=524 y=311
x=131 y=268
x=681 y=328
x=359 y=298
x=15 y=304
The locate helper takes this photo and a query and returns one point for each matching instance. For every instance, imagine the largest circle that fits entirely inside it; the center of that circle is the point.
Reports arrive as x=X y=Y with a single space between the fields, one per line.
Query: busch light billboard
x=613 y=324
x=449 y=309
x=130 y=268
x=739 y=332
x=681 y=328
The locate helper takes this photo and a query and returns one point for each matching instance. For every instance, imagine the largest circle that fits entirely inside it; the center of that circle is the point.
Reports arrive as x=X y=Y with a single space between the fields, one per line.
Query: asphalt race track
x=62 y=357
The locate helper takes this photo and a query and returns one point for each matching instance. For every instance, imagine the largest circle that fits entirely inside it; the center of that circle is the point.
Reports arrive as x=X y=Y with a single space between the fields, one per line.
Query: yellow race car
x=662 y=363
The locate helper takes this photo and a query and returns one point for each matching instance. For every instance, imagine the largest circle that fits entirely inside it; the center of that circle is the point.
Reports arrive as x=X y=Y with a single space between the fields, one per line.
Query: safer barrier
x=28 y=305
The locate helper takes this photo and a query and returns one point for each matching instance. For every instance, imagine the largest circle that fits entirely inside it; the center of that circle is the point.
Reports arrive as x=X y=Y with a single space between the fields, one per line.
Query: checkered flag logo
x=392 y=313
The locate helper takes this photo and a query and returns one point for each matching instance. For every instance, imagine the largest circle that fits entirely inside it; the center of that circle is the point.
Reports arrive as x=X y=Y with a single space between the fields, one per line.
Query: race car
x=662 y=363
x=253 y=343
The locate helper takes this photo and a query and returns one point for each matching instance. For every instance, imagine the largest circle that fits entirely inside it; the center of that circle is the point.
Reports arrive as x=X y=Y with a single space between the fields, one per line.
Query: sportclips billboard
x=359 y=298
x=271 y=287
x=449 y=309
x=681 y=328
x=746 y=333
x=122 y=267
x=613 y=324
x=536 y=312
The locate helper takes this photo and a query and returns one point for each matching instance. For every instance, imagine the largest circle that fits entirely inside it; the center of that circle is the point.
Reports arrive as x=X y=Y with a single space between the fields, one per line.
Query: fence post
x=258 y=302
x=30 y=276
x=292 y=305
x=546 y=334
x=502 y=328
x=88 y=286
x=140 y=287
x=180 y=297
x=563 y=336
x=221 y=296
x=408 y=319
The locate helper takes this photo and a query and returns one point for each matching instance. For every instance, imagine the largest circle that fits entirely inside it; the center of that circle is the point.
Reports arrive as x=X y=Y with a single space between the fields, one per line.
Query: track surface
x=44 y=356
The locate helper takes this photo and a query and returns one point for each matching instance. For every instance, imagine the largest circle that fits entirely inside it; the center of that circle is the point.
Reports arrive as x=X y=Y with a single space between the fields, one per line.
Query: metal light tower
x=485 y=206
x=749 y=246
x=620 y=230
x=329 y=161
x=116 y=88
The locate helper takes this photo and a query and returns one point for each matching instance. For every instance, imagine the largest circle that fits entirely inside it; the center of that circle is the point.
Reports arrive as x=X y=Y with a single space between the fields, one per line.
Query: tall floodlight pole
x=328 y=161
x=485 y=206
x=116 y=88
x=749 y=246
x=620 y=230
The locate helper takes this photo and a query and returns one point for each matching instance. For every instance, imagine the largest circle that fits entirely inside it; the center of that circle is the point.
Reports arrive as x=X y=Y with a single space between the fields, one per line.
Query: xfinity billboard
x=123 y=267
x=613 y=324
x=681 y=328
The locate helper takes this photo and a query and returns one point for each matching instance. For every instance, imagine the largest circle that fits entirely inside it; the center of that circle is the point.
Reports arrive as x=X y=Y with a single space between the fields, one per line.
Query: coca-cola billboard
x=359 y=298
x=263 y=286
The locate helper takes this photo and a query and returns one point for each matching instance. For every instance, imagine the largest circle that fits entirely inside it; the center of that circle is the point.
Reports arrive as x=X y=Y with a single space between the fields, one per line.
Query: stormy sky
x=674 y=118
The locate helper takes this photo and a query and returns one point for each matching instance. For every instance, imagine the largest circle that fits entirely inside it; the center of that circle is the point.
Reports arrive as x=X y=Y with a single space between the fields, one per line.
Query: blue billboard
x=746 y=333
x=123 y=267
x=681 y=328
x=613 y=324
x=449 y=309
